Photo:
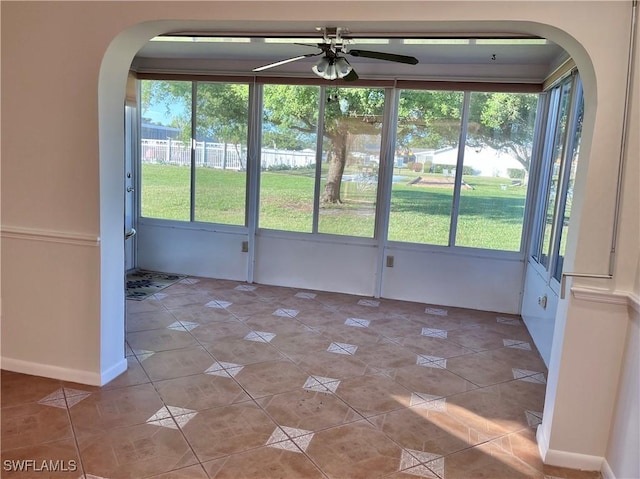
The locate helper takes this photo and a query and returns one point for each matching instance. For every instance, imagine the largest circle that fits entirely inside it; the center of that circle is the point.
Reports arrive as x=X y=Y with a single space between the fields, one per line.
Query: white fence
x=224 y=156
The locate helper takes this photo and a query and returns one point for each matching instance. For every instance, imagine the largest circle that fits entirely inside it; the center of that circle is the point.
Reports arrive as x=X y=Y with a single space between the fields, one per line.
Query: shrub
x=516 y=173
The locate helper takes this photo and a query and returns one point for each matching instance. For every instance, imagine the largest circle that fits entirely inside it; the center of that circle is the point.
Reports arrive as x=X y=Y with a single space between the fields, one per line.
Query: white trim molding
x=49 y=236
x=64 y=374
x=597 y=295
x=634 y=302
x=113 y=372
x=607 y=472
x=48 y=371
x=570 y=460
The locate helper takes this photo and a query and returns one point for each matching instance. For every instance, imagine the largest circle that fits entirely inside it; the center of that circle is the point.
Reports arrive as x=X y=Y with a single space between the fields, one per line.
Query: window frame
x=554 y=100
x=192 y=223
x=392 y=91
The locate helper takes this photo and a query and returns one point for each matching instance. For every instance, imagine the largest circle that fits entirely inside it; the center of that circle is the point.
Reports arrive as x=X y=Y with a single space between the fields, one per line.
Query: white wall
x=538 y=317
x=187 y=250
x=67 y=83
x=316 y=264
x=622 y=458
x=489 y=283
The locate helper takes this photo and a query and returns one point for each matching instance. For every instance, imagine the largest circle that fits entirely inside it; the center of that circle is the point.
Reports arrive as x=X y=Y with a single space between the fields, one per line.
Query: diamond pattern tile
x=342 y=348
x=321 y=384
x=413 y=462
x=64 y=398
x=358 y=323
x=224 y=369
x=218 y=304
x=181 y=326
x=436 y=311
x=143 y=354
x=369 y=302
x=277 y=382
x=529 y=376
x=286 y=313
x=245 y=287
x=164 y=417
x=509 y=321
x=431 y=361
x=290 y=439
x=55 y=399
x=533 y=418
x=517 y=344
x=304 y=295
x=260 y=336
x=434 y=333
x=428 y=402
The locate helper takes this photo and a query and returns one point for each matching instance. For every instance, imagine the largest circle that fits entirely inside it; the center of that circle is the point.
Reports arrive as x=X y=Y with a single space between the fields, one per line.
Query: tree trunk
x=337 y=160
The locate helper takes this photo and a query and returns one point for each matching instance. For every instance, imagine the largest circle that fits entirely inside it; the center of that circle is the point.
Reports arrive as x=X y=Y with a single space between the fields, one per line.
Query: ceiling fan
x=333 y=65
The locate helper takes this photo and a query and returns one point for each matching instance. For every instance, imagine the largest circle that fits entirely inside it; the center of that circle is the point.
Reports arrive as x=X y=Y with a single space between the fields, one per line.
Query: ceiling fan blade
x=284 y=62
x=391 y=57
x=314 y=45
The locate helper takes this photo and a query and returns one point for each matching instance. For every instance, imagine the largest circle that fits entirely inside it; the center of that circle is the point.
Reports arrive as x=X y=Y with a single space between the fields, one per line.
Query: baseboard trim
x=53 y=372
x=113 y=372
x=607 y=472
x=570 y=460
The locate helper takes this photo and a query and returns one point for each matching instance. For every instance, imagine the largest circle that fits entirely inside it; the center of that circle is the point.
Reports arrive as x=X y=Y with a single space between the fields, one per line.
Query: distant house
x=485 y=161
x=151 y=131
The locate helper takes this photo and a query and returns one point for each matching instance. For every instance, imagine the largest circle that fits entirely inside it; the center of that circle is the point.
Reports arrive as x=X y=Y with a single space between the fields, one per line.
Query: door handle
x=130 y=189
x=130 y=233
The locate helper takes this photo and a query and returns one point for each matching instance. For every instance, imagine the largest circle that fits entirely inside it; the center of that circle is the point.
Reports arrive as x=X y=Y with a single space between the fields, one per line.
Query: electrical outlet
x=245 y=246
x=542 y=301
x=389 y=261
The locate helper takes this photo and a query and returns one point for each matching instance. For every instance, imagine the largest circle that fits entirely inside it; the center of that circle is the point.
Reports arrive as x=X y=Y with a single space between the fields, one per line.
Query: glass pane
x=222 y=116
x=565 y=210
x=350 y=160
x=554 y=173
x=288 y=157
x=427 y=138
x=165 y=149
x=497 y=158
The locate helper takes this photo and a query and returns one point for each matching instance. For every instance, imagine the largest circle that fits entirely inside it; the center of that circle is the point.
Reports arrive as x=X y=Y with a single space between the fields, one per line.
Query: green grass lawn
x=490 y=216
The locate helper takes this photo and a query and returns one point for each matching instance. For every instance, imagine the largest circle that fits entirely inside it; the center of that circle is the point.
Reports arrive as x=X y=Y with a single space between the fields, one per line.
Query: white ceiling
x=517 y=59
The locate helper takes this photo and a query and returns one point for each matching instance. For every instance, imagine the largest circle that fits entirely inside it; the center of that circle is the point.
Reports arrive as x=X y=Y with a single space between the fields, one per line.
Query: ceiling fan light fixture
x=342 y=67
x=321 y=67
x=332 y=68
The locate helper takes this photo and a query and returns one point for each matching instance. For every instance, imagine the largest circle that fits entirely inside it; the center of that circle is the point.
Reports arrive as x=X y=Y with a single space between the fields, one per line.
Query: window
x=288 y=157
x=321 y=160
x=564 y=212
x=470 y=198
x=194 y=161
x=165 y=154
x=562 y=144
x=329 y=186
x=495 y=171
x=353 y=120
x=222 y=118
x=427 y=139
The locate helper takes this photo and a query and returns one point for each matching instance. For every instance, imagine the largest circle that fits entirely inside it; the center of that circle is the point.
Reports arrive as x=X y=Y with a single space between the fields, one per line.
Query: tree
x=427 y=119
x=504 y=121
x=222 y=109
x=349 y=113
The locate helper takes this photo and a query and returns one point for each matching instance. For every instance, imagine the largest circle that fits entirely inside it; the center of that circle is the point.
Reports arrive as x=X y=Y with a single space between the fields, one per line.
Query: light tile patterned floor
x=230 y=380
